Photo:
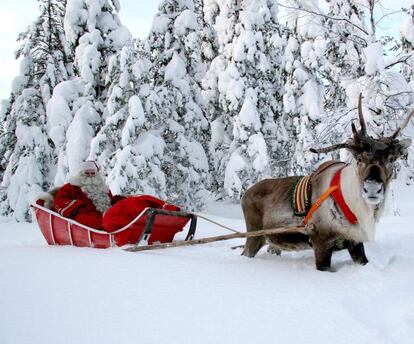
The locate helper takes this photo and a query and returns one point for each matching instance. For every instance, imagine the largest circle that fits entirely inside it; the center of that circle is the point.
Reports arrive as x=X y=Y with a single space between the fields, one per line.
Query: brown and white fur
x=364 y=184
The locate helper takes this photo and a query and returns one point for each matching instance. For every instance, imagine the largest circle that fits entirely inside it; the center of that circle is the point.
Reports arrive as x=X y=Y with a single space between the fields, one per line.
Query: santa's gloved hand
x=75 y=211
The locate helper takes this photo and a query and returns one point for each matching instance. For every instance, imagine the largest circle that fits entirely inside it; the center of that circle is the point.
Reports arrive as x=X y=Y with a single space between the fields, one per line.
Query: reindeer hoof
x=324 y=268
x=248 y=254
x=362 y=261
x=272 y=249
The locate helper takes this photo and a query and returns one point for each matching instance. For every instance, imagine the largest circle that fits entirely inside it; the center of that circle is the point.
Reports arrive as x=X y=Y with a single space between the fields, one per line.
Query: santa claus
x=86 y=197
x=88 y=200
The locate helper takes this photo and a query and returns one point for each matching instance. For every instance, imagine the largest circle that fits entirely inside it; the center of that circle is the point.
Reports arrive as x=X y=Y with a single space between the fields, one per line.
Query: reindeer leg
x=253 y=219
x=273 y=249
x=252 y=246
x=357 y=252
x=323 y=255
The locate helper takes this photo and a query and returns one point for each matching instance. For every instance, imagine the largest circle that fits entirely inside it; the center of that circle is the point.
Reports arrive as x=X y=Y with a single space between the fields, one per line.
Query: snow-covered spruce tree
x=136 y=149
x=7 y=129
x=274 y=129
x=386 y=94
x=172 y=104
x=7 y=140
x=26 y=150
x=346 y=37
x=407 y=43
x=121 y=87
x=206 y=12
x=138 y=162
x=303 y=90
x=239 y=95
x=210 y=46
x=76 y=110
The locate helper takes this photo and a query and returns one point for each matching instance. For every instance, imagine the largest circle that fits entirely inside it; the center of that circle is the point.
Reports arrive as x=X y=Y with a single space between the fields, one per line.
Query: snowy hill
x=207 y=293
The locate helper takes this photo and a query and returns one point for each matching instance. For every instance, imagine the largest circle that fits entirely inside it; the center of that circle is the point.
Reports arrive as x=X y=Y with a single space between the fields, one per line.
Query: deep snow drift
x=207 y=293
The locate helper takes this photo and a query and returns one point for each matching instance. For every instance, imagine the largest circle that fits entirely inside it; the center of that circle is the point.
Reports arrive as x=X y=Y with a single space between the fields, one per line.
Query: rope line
x=216 y=223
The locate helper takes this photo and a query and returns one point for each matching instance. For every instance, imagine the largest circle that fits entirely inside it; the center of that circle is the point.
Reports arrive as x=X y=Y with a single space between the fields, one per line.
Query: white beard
x=96 y=190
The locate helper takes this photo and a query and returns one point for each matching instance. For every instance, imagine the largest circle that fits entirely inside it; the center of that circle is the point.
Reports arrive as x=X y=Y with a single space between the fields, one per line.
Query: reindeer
x=364 y=185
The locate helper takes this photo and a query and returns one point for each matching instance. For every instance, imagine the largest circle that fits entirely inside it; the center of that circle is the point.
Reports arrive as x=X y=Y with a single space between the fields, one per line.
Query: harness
x=302 y=194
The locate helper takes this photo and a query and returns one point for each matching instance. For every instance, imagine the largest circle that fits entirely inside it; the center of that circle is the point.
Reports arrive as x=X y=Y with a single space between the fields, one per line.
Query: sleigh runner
x=151 y=225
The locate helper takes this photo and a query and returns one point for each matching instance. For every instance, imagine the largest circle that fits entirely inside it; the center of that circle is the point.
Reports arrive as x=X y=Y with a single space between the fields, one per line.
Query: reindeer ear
x=400 y=148
x=405 y=143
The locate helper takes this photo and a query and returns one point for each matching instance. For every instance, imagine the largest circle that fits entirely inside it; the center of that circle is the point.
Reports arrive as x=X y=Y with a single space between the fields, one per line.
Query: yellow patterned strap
x=318 y=203
x=302 y=196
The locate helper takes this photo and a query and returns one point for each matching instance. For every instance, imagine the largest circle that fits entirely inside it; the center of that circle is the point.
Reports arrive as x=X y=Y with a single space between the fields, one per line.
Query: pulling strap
x=335 y=191
x=318 y=203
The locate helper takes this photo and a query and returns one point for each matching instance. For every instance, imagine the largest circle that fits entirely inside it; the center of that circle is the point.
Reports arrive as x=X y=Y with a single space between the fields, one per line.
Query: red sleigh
x=152 y=225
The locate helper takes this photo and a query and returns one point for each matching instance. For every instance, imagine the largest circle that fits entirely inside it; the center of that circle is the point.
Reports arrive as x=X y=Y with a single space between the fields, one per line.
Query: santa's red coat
x=71 y=202
x=125 y=211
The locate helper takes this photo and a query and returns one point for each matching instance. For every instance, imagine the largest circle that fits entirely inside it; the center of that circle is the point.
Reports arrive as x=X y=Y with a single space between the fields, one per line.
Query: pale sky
x=15 y=15
x=137 y=15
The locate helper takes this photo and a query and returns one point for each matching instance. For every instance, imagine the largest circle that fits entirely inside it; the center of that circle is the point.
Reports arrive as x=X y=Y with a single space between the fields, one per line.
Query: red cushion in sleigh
x=128 y=222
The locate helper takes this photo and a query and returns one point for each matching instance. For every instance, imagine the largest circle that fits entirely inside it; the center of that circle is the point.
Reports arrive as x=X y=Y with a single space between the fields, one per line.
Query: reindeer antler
x=332 y=148
x=361 y=140
x=402 y=126
x=363 y=130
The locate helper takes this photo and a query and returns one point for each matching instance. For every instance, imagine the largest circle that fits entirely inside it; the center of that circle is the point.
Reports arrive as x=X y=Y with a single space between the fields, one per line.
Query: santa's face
x=90 y=177
x=94 y=186
x=89 y=173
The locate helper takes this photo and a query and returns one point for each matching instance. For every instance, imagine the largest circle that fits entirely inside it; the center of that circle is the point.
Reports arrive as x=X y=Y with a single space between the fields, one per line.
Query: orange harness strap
x=335 y=191
x=318 y=203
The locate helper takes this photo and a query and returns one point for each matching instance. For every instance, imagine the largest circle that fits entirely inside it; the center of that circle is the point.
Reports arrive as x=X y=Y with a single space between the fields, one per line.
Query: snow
x=196 y=155
x=311 y=100
x=187 y=20
x=75 y=16
x=150 y=143
x=59 y=114
x=136 y=110
x=407 y=30
x=374 y=60
x=308 y=24
x=160 y=24
x=257 y=151
x=248 y=117
x=232 y=182
x=231 y=85
x=120 y=37
x=88 y=57
x=175 y=69
x=218 y=132
x=206 y=293
x=80 y=134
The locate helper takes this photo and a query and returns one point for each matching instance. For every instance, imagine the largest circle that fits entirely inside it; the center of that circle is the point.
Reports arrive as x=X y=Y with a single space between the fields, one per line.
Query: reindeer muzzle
x=373 y=187
x=373 y=192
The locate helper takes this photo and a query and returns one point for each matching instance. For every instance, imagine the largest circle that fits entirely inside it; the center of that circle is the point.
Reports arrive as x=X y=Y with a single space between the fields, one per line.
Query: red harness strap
x=339 y=198
x=335 y=191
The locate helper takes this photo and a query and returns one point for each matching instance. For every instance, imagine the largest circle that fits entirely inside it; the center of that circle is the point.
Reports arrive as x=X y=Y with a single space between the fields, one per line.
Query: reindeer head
x=374 y=157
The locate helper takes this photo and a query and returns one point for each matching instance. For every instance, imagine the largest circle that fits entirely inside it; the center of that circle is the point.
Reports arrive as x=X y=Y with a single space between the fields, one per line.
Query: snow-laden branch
x=324 y=16
x=400 y=59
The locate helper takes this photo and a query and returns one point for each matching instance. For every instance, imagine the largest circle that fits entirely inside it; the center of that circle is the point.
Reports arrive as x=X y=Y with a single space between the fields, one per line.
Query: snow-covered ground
x=208 y=293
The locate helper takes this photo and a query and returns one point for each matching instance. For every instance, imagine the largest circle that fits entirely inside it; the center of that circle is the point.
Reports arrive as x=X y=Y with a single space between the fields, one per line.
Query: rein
x=334 y=190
